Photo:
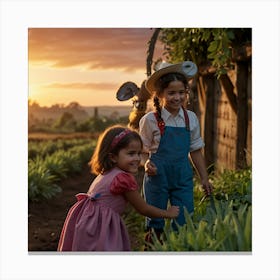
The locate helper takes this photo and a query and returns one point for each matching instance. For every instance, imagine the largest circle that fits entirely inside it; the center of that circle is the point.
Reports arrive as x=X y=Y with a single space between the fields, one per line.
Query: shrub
x=41 y=183
x=53 y=160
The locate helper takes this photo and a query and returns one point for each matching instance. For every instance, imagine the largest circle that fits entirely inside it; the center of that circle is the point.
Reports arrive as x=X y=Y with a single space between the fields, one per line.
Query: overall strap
x=161 y=123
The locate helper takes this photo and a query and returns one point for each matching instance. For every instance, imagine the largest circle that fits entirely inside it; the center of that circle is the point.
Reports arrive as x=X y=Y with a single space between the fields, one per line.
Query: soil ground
x=46 y=218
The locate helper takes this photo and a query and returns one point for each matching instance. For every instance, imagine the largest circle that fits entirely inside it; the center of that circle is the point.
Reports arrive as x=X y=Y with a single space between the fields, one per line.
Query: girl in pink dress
x=94 y=222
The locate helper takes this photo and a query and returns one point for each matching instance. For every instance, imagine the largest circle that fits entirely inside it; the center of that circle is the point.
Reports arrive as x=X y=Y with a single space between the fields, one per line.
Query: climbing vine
x=205 y=46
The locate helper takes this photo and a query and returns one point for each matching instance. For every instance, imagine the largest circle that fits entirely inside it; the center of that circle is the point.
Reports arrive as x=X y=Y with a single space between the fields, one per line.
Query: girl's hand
x=173 y=212
x=150 y=168
x=207 y=188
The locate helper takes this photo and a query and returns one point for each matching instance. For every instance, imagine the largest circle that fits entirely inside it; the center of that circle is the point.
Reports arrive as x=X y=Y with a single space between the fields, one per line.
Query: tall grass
x=51 y=161
x=225 y=225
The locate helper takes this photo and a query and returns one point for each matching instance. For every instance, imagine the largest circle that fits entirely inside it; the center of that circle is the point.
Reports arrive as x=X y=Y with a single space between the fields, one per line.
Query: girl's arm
x=199 y=164
x=136 y=200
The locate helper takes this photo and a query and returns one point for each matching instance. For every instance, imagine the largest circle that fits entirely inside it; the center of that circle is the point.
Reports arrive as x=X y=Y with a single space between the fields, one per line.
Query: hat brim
x=187 y=68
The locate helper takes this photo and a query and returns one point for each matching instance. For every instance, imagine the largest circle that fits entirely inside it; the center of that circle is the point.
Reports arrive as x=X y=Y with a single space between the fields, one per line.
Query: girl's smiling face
x=174 y=97
x=128 y=158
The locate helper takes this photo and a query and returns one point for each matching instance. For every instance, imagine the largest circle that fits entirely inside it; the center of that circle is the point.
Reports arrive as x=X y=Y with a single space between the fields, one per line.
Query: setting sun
x=85 y=65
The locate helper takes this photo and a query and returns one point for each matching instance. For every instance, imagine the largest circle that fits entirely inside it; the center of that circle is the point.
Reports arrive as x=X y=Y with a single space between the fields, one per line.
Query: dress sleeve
x=123 y=182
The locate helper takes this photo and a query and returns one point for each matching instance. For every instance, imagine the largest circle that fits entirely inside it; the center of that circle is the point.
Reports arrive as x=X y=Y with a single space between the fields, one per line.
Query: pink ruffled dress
x=94 y=222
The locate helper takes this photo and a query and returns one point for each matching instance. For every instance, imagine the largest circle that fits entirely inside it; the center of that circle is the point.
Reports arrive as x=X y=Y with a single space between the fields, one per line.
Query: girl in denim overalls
x=170 y=134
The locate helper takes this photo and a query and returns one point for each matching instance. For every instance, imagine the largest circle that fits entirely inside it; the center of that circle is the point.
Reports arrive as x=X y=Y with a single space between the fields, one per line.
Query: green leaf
x=213 y=46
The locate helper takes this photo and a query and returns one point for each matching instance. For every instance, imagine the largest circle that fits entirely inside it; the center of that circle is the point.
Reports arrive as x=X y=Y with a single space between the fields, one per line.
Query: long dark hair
x=100 y=161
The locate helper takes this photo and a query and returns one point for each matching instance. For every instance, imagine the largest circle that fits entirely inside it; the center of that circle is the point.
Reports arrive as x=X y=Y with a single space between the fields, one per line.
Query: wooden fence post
x=242 y=113
x=209 y=82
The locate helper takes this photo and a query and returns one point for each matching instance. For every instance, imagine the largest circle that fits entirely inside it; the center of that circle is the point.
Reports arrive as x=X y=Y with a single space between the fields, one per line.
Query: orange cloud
x=94 y=48
x=82 y=86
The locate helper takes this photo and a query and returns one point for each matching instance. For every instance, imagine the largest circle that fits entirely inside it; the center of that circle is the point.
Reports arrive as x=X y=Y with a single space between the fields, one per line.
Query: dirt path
x=46 y=218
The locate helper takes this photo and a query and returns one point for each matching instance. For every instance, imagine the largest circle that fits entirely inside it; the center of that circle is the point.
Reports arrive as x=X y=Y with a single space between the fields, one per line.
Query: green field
x=221 y=224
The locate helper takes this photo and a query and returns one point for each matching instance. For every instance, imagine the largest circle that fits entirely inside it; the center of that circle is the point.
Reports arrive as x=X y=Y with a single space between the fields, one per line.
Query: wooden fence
x=224 y=109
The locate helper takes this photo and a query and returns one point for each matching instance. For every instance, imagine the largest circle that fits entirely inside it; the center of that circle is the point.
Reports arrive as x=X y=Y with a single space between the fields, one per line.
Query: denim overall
x=174 y=179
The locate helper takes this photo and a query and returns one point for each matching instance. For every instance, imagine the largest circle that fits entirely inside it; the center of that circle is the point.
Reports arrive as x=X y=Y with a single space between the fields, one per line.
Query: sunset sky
x=86 y=65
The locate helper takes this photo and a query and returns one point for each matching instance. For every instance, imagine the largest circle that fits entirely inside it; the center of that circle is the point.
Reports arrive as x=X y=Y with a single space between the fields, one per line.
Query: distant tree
x=96 y=124
x=66 y=121
x=76 y=109
x=73 y=105
x=33 y=105
x=57 y=106
x=84 y=126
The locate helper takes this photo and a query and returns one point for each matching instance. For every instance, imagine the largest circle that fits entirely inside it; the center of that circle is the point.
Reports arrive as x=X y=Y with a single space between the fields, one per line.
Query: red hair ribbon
x=119 y=137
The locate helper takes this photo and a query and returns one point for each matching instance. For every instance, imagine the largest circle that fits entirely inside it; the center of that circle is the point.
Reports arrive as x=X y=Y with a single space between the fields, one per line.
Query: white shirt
x=150 y=133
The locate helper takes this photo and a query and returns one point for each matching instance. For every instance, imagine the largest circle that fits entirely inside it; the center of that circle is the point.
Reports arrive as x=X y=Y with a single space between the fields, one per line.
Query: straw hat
x=187 y=68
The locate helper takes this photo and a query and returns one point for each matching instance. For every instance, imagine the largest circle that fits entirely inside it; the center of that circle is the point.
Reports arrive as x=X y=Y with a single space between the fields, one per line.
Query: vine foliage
x=205 y=46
